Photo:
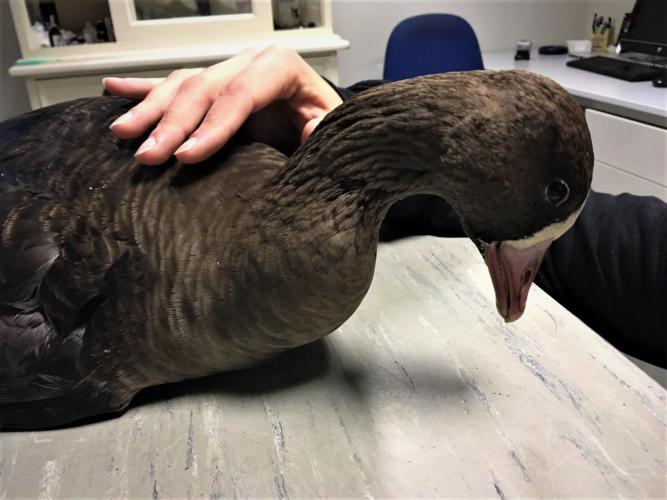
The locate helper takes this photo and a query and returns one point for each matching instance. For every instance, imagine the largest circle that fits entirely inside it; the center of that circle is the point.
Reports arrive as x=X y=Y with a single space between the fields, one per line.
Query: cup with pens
x=601 y=32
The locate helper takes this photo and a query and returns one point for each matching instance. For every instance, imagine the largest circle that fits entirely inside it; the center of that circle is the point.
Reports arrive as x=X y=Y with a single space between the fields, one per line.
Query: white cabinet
x=48 y=91
x=630 y=157
x=151 y=39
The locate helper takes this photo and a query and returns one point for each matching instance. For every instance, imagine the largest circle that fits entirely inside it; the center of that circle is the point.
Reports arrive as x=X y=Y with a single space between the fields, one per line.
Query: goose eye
x=557 y=192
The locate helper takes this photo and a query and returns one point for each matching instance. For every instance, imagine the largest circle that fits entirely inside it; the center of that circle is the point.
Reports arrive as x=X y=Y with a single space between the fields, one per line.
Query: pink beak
x=512 y=272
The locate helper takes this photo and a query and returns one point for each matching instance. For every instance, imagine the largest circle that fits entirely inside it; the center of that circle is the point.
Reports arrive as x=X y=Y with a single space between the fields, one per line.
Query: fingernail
x=146 y=146
x=122 y=119
x=106 y=80
x=186 y=146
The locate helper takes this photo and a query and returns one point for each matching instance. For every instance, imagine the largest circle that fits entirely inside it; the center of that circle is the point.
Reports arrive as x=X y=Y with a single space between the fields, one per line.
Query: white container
x=89 y=33
x=575 y=47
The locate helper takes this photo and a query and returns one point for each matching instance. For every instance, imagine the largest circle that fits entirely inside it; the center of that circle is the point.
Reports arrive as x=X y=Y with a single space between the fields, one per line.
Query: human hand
x=198 y=110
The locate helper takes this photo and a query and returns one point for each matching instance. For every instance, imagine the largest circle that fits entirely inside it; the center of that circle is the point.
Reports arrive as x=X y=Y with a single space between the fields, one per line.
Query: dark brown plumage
x=115 y=276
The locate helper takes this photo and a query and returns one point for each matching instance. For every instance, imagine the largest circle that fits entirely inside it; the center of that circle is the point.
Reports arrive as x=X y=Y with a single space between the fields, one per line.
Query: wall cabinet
x=154 y=37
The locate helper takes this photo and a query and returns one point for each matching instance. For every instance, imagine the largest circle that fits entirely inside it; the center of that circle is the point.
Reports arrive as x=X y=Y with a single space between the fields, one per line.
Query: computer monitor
x=646 y=31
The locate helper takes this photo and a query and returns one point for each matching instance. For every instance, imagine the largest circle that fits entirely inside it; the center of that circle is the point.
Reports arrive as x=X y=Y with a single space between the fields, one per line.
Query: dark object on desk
x=115 y=276
x=625 y=26
x=660 y=81
x=522 y=50
x=617 y=68
x=553 y=50
x=645 y=31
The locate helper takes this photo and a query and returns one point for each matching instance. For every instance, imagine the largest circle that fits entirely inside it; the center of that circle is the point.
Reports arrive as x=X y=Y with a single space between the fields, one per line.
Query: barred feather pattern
x=115 y=276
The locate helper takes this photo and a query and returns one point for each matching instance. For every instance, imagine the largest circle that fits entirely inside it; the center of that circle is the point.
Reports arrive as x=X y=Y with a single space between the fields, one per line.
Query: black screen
x=647 y=31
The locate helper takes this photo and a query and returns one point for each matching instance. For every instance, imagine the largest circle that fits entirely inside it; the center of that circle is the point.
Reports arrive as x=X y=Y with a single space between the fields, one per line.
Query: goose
x=116 y=276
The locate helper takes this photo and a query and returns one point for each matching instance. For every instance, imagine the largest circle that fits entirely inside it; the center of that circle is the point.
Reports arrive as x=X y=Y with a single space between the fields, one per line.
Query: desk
x=627 y=123
x=639 y=101
x=424 y=392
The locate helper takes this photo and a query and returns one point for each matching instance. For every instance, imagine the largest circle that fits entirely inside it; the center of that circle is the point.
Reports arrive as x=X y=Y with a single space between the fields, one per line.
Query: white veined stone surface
x=424 y=392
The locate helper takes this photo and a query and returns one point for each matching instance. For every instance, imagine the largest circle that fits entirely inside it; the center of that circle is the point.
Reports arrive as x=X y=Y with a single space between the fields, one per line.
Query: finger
x=307 y=94
x=276 y=74
x=312 y=101
x=182 y=116
x=142 y=116
x=132 y=88
x=270 y=77
x=190 y=104
x=222 y=121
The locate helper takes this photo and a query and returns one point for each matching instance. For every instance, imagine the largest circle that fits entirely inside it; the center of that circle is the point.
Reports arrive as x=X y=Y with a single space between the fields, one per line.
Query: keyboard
x=616 y=68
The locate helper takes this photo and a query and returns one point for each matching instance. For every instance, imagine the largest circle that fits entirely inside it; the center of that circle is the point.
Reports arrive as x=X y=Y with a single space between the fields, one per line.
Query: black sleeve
x=346 y=93
x=610 y=269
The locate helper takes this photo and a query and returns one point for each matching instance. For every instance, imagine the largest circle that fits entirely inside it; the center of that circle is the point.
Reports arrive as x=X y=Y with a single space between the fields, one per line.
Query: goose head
x=523 y=159
x=509 y=151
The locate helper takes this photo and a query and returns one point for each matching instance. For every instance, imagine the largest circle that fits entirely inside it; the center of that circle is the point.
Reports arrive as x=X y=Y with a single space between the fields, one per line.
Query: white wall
x=497 y=23
x=13 y=95
x=607 y=8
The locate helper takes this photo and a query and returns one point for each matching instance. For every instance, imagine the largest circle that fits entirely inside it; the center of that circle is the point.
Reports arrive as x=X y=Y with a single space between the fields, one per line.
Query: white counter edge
x=147 y=58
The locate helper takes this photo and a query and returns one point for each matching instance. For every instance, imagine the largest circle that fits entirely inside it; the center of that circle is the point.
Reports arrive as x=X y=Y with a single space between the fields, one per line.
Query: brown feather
x=115 y=276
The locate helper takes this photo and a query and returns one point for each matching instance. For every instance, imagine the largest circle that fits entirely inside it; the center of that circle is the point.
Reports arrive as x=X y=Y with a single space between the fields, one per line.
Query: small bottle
x=522 y=50
x=41 y=37
x=55 y=37
x=102 y=35
x=286 y=14
x=89 y=33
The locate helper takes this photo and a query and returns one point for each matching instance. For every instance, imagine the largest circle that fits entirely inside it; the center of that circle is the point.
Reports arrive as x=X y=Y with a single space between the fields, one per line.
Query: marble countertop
x=424 y=392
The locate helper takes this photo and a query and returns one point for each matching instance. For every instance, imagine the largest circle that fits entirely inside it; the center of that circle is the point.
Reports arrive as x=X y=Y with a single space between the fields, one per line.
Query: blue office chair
x=431 y=43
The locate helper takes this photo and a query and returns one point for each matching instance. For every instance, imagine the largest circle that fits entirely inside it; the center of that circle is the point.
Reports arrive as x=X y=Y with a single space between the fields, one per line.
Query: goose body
x=116 y=276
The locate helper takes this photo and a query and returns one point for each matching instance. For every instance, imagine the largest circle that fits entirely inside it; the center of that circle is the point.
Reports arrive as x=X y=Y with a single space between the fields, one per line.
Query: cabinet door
x=144 y=24
x=630 y=157
x=189 y=20
x=608 y=179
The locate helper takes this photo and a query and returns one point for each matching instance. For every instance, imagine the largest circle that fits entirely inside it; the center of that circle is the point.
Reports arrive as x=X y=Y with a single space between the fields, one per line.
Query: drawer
x=629 y=146
x=608 y=179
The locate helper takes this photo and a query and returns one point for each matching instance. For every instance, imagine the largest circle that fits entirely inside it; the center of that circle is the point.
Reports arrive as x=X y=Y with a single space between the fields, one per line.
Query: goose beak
x=512 y=272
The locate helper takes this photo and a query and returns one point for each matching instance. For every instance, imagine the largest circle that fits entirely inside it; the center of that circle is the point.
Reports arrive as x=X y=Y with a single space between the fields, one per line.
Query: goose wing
x=50 y=285
x=52 y=263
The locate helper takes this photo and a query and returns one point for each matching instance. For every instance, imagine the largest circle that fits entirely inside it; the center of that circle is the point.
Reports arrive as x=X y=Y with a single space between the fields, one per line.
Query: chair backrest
x=431 y=43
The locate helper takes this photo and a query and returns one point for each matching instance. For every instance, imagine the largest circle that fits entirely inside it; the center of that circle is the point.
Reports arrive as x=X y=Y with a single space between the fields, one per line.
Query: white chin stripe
x=551 y=232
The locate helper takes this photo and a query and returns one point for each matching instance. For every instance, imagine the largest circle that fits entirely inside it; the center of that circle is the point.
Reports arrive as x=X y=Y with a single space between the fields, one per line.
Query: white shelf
x=172 y=57
x=156 y=47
